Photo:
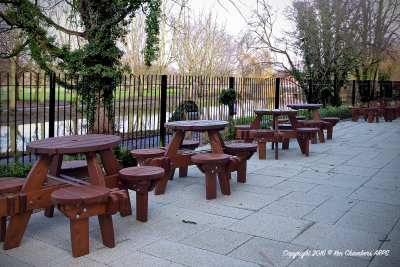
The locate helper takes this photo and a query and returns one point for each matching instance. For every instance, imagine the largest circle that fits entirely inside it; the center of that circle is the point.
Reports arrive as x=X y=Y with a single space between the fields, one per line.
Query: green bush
x=16 y=169
x=341 y=112
x=124 y=157
x=228 y=97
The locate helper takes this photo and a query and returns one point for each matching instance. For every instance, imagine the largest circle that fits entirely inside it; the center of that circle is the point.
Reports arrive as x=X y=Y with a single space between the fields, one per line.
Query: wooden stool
x=303 y=137
x=212 y=164
x=301 y=118
x=243 y=132
x=8 y=185
x=141 y=179
x=75 y=168
x=316 y=124
x=79 y=203
x=373 y=113
x=263 y=136
x=188 y=145
x=333 y=121
x=244 y=151
x=142 y=154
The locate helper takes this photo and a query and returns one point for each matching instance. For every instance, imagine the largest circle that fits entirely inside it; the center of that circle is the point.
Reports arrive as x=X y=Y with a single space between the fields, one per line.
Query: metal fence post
x=310 y=91
x=353 y=93
x=163 y=108
x=232 y=82
x=277 y=85
x=52 y=104
x=335 y=91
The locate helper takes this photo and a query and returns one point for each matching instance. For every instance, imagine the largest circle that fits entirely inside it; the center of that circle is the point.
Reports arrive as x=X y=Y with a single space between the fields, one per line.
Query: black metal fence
x=35 y=106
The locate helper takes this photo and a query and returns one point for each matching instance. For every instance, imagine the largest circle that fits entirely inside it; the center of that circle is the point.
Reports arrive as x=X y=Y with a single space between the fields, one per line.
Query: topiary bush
x=185 y=106
x=228 y=97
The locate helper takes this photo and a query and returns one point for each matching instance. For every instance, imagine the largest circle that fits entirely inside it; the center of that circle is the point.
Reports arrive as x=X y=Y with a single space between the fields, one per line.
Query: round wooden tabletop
x=305 y=106
x=275 y=112
x=197 y=125
x=73 y=144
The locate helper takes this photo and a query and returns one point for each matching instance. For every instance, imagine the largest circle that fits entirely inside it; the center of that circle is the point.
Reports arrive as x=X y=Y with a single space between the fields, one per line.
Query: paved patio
x=344 y=198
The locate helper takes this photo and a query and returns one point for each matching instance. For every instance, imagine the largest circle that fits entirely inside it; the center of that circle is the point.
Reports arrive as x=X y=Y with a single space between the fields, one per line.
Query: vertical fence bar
x=277 y=85
x=163 y=108
x=52 y=103
x=353 y=93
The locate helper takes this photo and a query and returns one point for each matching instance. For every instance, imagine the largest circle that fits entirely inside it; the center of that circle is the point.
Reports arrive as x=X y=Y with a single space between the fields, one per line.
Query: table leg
x=315 y=114
x=55 y=169
x=216 y=142
x=95 y=172
x=34 y=181
x=110 y=162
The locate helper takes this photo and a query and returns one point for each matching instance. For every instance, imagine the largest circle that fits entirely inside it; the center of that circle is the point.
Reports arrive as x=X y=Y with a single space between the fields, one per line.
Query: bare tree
x=204 y=47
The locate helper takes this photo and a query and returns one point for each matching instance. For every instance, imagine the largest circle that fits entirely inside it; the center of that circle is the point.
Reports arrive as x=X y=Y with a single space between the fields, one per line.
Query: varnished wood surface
x=307 y=130
x=80 y=195
x=11 y=184
x=73 y=144
x=210 y=158
x=305 y=106
x=147 y=153
x=141 y=173
x=197 y=125
x=275 y=112
x=235 y=147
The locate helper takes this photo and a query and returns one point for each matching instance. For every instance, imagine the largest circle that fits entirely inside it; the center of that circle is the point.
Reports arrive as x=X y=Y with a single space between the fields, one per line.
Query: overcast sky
x=227 y=13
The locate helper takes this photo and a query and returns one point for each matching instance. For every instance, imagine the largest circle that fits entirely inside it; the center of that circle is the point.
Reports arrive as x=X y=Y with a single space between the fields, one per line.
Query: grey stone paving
x=342 y=199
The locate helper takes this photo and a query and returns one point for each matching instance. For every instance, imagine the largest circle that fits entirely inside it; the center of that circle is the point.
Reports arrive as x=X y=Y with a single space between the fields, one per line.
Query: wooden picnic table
x=172 y=153
x=276 y=113
x=310 y=107
x=45 y=177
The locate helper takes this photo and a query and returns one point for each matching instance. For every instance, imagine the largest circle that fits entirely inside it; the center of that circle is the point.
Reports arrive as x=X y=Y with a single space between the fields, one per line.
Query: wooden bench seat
x=243 y=132
x=187 y=145
x=303 y=137
x=141 y=179
x=263 y=136
x=8 y=185
x=75 y=168
x=79 y=203
x=244 y=151
x=333 y=121
x=212 y=164
x=316 y=124
x=142 y=154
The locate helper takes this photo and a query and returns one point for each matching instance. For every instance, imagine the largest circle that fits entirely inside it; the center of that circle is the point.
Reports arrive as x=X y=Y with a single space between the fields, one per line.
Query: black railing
x=35 y=107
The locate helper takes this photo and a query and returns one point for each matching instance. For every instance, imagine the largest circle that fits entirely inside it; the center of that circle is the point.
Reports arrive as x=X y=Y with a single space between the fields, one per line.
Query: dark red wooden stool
x=8 y=185
x=333 y=121
x=141 y=179
x=188 y=145
x=79 y=203
x=142 y=154
x=212 y=164
x=303 y=138
x=243 y=132
x=244 y=151
x=263 y=136
x=316 y=124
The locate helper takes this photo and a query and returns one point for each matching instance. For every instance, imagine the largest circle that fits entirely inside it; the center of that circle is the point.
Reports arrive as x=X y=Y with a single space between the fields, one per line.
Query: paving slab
x=331 y=210
x=328 y=261
x=137 y=258
x=332 y=237
x=367 y=222
x=393 y=258
x=216 y=240
x=332 y=190
x=191 y=256
x=265 y=252
x=377 y=195
x=294 y=186
x=306 y=198
x=279 y=228
x=286 y=208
